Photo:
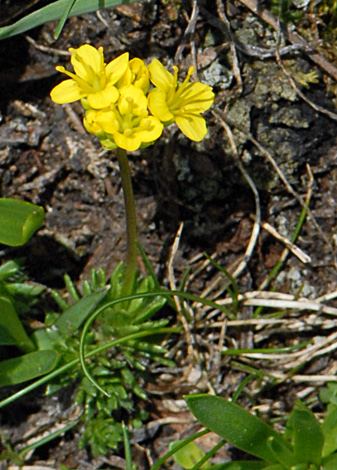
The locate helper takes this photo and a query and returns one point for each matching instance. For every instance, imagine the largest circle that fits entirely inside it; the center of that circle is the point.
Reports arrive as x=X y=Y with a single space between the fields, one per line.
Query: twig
x=293 y=85
x=299 y=224
x=292 y=36
x=173 y=286
x=251 y=51
x=291 y=247
x=188 y=32
x=235 y=61
x=314 y=378
x=280 y=301
x=47 y=49
x=257 y=218
x=221 y=116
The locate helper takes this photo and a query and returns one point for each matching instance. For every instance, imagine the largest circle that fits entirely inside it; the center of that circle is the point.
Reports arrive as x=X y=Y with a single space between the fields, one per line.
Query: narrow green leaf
x=26 y=289
x=11 y=324
x=127 y=447
x=72 y=291
x=306 y=435
x=27 y=367
x=8 y=269
x=75 y=315
x=63 y=304
x=236 y=425
x=54 y=12
x=18 y=221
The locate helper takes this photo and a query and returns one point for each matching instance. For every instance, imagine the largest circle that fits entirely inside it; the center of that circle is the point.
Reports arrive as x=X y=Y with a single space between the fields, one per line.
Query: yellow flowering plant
x=126 y=113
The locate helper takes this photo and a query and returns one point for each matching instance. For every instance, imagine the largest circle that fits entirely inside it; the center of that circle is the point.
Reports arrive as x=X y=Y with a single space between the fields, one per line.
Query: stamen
x=117 y=124
x=190 y=71
x=93 y=78
x=86 y=87
x=131 y=104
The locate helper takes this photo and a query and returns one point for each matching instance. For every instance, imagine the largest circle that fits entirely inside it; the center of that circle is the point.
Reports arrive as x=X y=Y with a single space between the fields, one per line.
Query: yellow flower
x=128 y=124
x=183 y=103
x=93 y=81
x=136 y=74
x=93 y=119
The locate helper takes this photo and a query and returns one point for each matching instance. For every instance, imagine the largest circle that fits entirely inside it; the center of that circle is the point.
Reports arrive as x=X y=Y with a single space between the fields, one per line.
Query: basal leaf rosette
x=93 y=82
x=179 y=102
x=128 y=124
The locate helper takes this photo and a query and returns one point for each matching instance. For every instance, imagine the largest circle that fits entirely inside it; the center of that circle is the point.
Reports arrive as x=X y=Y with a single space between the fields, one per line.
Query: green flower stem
x=131 y=222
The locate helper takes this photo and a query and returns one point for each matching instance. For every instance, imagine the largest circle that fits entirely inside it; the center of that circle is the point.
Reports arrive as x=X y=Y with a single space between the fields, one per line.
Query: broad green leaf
x=6 y=339
x=236 y=425
x=54 y=12
x=27 y=367
x=306 y=435
x=71 y=319
x=329 y=394
x=246 y=465
x=188 y=455
x=329 y=428
x=11 y=324
x=282 y=454
x=48 y=338
x=18 y=221
x=329 y=463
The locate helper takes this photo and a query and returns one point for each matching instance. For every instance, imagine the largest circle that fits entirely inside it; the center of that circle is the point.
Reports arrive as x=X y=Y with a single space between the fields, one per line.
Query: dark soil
x=46 y=157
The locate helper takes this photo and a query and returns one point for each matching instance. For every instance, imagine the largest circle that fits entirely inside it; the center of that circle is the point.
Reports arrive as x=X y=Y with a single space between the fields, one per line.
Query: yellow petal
x=91 y=125
x=141 y=74
x=117 y=67
x=194 y=127
x=103 y=98
x=132 y=99
x=126 y=79
x=160 y=77
x=199 y=98
x=90 y=56
x=107 y=121
x=152 y=129
x=158 y=106
x=66 y=92
x=130 y=143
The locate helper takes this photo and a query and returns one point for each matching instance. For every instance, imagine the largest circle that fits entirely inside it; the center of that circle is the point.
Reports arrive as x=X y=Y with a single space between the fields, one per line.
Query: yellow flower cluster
x=119 y=108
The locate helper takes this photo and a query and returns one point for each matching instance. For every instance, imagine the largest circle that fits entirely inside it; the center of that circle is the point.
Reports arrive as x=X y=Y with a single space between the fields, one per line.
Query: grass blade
x=54 y=12
x=64 y=17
